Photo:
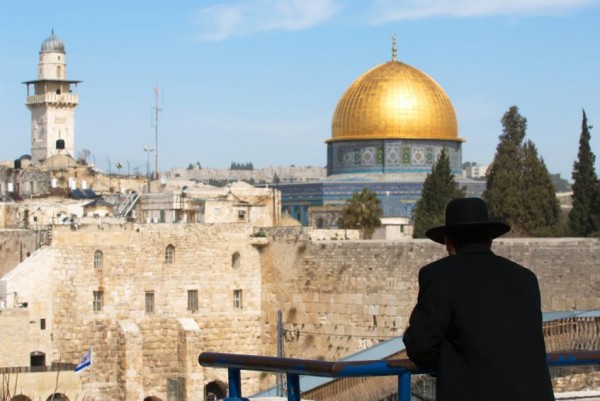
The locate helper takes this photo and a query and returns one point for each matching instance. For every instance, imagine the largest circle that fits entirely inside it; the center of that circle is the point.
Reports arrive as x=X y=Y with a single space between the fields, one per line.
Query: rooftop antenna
x=394 y=36
x=156 y=111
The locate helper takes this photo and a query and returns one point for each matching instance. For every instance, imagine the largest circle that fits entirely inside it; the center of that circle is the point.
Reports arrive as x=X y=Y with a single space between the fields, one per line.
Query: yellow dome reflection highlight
x=394 y=101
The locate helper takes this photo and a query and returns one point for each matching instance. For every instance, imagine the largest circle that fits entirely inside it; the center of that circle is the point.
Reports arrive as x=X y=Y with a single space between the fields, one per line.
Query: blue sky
x=258 y=80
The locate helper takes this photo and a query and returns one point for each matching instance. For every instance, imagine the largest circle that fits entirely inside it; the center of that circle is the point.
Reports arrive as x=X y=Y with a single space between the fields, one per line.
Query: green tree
x=503 y=186
x=540 y=207
x=519 y=189
x=585 y=187
x=439 y=188
x=362 y=211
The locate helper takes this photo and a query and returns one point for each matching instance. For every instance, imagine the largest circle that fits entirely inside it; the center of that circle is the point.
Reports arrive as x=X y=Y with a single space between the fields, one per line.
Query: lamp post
x=148 y=151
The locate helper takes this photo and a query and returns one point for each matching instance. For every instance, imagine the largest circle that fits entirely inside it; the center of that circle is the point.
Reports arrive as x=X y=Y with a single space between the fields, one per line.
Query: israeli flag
x=86 y=361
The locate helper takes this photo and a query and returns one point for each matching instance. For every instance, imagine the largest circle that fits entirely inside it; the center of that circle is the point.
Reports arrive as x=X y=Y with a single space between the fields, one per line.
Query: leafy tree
x=241 y=166
x=190 y=166
x=439 y=188
x=83 y=156
x=519 y=189
x=362 y=211
x=585 y=187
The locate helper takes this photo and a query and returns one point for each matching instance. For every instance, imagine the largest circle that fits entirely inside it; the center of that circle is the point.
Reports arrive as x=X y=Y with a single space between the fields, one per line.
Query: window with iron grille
x=170 y=254
x=149 y=301
x=98 y=301
x=237 y=299
x=192 y=300
x=98 y=259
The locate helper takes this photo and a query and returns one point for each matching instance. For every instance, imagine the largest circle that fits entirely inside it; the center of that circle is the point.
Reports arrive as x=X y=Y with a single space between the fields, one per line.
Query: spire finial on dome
x=394 y=47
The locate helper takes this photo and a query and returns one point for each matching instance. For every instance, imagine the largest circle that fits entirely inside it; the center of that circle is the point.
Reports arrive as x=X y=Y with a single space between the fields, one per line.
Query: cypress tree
x=439 y=188
x=540 y=207
x=519 y=188
x=503 y=186
x=585 y=188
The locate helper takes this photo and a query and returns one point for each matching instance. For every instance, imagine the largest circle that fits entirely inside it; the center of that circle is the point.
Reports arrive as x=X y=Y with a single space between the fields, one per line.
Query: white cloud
x=391 y=10
x=243 y=18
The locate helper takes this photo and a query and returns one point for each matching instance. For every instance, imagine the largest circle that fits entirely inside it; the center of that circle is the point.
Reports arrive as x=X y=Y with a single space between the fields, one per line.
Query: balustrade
x=293 y=368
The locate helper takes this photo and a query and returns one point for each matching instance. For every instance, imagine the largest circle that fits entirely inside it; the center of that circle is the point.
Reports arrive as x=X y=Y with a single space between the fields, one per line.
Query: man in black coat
x=478 y=319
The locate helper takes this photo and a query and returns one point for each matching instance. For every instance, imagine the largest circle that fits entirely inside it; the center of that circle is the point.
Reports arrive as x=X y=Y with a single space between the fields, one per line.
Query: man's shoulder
x=446 y=263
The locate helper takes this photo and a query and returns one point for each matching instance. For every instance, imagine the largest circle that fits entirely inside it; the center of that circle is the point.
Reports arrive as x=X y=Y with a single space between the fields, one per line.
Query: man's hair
x=460 y=238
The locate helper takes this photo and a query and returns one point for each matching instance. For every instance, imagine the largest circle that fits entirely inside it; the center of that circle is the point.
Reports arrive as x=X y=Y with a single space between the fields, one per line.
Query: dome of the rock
x=394 y=101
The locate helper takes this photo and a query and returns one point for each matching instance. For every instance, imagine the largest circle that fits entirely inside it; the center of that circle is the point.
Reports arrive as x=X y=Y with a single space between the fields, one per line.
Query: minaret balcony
x=62 y=99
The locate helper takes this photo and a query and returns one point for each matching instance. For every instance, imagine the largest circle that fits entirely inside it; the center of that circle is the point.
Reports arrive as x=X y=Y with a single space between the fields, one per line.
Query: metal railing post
x=293 y=387
x=235 y=385
x=404 y=386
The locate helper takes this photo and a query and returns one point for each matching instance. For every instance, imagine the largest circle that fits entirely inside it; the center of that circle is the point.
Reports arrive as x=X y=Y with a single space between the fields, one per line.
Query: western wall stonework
x=336 y=297
x=339 y=297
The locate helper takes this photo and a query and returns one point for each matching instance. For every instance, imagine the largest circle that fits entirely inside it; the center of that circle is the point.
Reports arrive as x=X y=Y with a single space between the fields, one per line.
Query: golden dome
x=394 y=101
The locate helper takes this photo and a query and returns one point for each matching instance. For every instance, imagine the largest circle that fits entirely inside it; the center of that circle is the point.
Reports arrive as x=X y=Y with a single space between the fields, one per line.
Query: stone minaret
x=52 y=104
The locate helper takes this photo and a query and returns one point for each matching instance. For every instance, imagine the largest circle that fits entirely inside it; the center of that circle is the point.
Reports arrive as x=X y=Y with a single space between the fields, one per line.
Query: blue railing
x=293 y=368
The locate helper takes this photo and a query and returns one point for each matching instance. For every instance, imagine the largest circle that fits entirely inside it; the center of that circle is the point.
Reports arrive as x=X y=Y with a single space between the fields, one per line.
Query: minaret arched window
x=235 y=260
x=98 y=259
x=59 y=72
x=170 y=254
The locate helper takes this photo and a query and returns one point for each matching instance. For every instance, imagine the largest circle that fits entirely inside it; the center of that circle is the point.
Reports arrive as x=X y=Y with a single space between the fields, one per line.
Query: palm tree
x=363 y=212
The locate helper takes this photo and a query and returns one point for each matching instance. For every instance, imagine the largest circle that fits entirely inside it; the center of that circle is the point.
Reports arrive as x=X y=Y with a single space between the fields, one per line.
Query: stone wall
x=339 y=297
x=16 y=245
x=123 y=335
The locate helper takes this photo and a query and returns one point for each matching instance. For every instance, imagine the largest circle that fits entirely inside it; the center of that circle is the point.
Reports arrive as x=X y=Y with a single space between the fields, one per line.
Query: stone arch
x=215 y=390
x=235 y=260
x=98 y=259
x=152 y=398
x=170 y=254
x=20 y=397
x=37 y=358
x=57 y=397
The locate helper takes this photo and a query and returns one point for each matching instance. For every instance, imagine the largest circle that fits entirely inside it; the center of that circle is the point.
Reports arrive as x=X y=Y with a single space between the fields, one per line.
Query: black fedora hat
x=467 y=214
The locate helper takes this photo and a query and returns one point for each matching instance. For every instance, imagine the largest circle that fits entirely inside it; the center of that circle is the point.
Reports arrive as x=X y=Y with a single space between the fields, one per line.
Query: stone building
x=52 y=103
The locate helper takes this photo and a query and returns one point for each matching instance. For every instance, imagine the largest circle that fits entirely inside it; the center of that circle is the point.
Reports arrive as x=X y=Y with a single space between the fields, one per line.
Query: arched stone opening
x=235 y=260
x=152 y=399
x=20 y=397
x=37 y=359
x=215 y=390
x=57 y=397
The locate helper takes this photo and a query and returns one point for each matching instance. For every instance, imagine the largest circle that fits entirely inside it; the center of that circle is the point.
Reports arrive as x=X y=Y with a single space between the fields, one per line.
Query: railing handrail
x=294 y=367
x=308 y=367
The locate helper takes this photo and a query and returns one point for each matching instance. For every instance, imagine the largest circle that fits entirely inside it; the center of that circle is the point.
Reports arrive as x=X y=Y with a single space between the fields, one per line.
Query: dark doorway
x=216 y=390
x=37 y=359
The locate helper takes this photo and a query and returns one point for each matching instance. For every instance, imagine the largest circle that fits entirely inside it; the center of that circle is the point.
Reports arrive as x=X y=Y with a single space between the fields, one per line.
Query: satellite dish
x=163 y=180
